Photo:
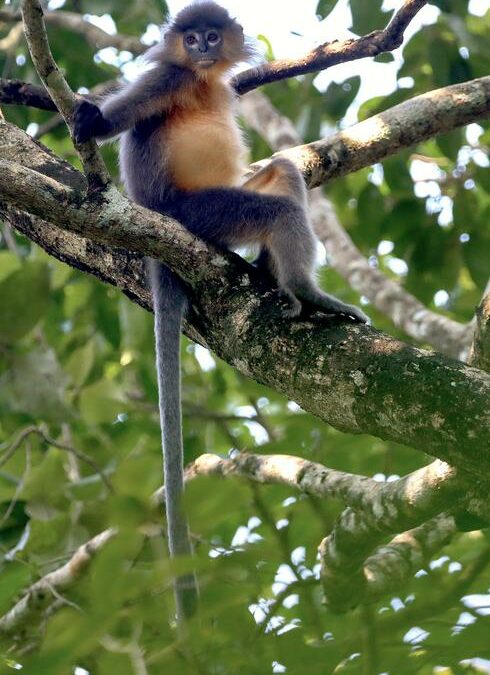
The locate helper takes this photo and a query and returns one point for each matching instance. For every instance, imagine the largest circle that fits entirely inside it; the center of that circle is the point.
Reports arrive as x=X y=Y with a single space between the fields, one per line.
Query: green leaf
x=34 y=385
x=101 y=402
x=324 y=8
x=368 y=16
x=338 y=97
x=24 y=296
x=80 y=363
x=9 y=263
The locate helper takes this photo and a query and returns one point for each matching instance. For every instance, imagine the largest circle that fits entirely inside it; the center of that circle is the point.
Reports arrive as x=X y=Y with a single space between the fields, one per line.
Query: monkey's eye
x=191 y=40
x=213 y=38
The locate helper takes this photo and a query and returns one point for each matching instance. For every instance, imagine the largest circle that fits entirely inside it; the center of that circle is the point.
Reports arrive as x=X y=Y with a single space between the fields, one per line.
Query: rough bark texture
x=480 y=351
x=354 y=377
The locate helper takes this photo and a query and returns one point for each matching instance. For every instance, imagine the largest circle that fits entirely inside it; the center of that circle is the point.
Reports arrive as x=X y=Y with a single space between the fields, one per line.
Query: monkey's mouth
x=206 y=63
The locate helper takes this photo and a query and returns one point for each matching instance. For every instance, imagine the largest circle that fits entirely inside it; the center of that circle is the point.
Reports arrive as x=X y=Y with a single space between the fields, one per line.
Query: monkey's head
x=203 y=36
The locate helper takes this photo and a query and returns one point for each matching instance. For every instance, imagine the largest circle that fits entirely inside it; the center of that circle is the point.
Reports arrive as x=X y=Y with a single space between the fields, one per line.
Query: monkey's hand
x=88 y=122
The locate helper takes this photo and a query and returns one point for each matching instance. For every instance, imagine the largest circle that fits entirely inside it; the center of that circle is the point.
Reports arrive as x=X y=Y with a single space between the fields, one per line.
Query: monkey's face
x=204 y=46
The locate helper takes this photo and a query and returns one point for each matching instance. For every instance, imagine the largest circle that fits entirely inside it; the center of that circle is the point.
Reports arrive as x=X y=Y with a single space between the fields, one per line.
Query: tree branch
x=60 y=92
x=18 y=92
x=369 y=141
x=332 y=53
x=95 y=36
x=352 y=376
x=393 y=506
x=375 y=510
x=480 y=350
x=402 y=126
x=41 y=594
x=319 y=59
x=393 y=565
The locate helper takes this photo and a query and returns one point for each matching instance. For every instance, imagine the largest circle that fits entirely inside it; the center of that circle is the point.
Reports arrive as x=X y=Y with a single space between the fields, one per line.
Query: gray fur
x=228 y=216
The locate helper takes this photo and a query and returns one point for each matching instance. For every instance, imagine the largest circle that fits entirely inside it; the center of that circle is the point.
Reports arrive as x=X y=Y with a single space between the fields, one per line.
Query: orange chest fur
x=203 y=146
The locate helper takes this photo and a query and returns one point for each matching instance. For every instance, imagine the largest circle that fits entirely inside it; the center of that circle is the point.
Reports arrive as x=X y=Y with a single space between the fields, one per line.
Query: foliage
x=77 y=357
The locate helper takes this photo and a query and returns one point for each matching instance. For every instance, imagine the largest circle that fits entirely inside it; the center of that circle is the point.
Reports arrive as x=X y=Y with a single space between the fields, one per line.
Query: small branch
x=393 y=565
x=42 y=432
x=95 y=36
x=332 y=53
x=319 y=59
x=18 y=92
x=391 y=506
x=309 y=477
x=11 y=40
x=398 y=506
x=41 y=594
x=13 y=447
x=60 y=92
x=380 y=509
x=480 y=350
x=404 y=504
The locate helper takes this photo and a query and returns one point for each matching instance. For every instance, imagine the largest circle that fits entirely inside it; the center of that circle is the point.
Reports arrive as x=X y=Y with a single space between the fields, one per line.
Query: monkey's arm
x=150 y=95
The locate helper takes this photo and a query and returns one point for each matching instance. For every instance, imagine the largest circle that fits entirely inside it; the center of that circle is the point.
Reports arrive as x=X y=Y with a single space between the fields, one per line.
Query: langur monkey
x=181 y=153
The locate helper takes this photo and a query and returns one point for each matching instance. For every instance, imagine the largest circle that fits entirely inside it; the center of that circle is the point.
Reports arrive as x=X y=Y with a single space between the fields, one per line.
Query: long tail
x=169 y=304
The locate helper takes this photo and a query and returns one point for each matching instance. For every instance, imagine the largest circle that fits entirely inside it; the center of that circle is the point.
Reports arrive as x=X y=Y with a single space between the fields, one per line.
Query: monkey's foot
x=294 y=307
x=330 y=305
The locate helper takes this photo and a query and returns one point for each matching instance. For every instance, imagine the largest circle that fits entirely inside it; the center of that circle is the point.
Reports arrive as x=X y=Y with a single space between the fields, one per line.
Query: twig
x=94 y=35
x=40 y=595
x=332 y=53
x=60 y=92
x=41 y=431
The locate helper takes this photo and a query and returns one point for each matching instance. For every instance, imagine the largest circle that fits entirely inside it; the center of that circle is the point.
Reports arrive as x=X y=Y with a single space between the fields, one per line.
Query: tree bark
x=352 y=376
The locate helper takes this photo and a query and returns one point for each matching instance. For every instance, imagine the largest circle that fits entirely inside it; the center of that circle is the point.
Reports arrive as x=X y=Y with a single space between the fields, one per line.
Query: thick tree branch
x=354 y=377
x=364 y=144
x=60 y=92
x=368 y=141
x=392 y=506
x=388 y=296
x=332 y=53
x=349 y=576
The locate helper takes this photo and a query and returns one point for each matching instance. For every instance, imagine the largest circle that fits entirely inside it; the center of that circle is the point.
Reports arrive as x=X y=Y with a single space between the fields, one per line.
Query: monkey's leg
x=237 y=217
x=282 y=178
x=294 y=273
x=293 y=249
